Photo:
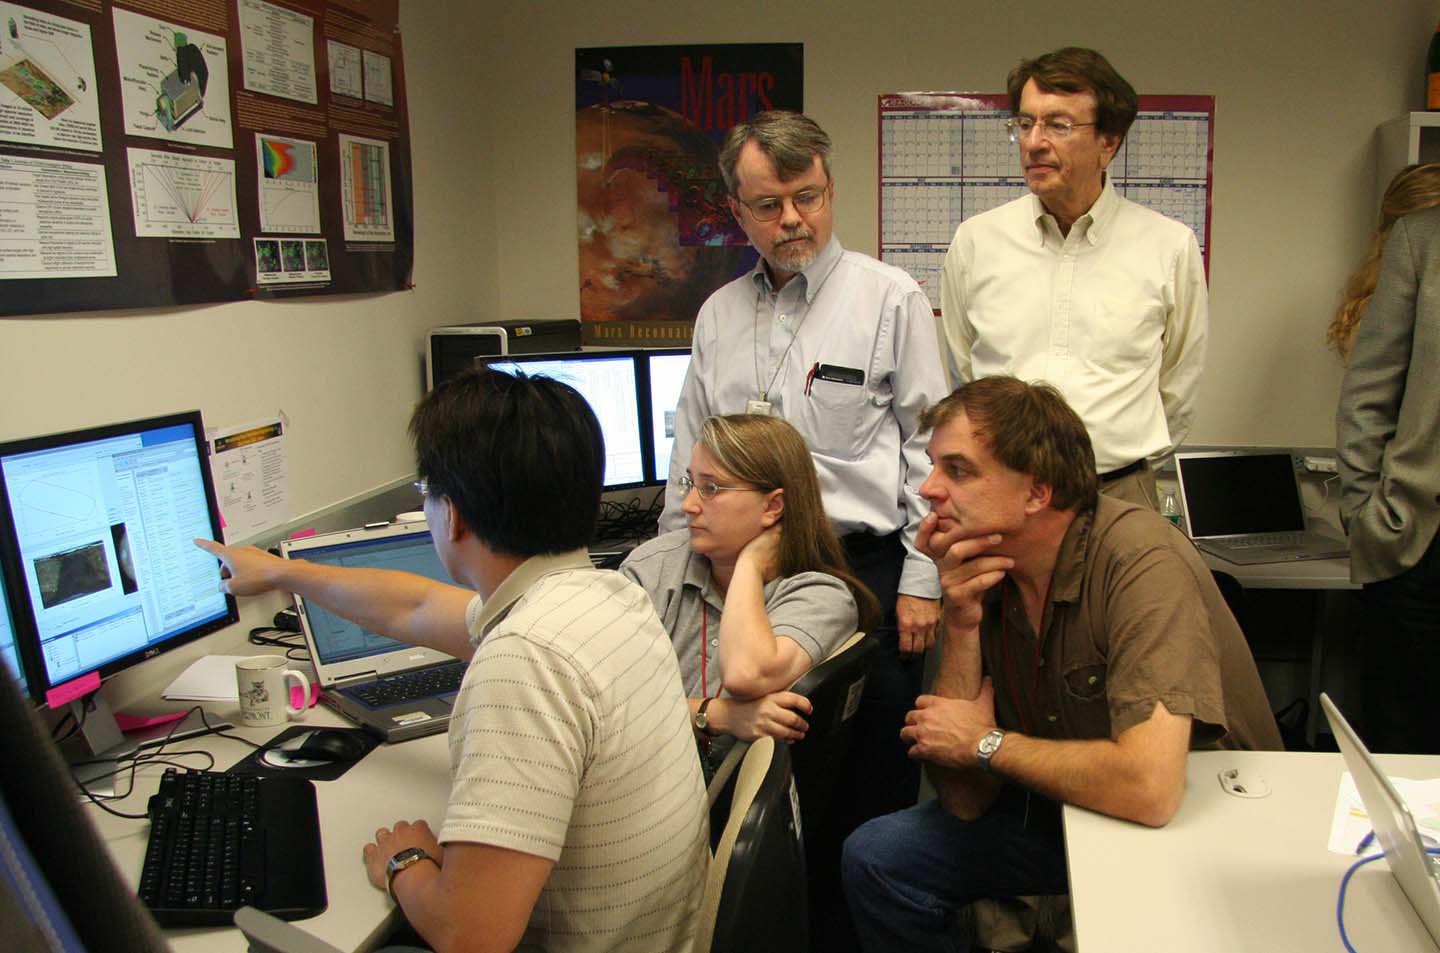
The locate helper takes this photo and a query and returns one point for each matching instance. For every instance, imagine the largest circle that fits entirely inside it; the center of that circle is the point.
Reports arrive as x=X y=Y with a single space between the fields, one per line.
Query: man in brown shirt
x=1086 y=651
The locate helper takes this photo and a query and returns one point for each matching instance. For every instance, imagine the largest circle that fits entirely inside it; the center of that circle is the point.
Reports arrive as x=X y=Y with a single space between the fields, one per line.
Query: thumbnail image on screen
x=607 y=382
x=103 y=522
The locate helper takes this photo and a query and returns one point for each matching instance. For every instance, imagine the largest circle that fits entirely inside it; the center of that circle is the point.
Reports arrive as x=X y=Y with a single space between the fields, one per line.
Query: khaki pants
x=1137 y=487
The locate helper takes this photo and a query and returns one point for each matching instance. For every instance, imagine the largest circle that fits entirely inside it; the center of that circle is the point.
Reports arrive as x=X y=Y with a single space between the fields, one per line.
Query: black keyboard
x=222 y=841
x=408 y=686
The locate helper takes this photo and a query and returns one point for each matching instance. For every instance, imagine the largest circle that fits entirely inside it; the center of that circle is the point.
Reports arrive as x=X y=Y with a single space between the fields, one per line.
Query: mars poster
x=656 y=236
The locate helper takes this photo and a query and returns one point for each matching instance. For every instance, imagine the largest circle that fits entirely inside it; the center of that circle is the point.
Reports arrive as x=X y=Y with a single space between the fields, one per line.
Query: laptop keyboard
x=408 y=686
x=1265 y=541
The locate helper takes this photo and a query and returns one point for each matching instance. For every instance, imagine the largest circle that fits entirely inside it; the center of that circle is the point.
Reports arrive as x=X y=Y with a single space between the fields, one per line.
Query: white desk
x=1233 y=874
x=407 y=781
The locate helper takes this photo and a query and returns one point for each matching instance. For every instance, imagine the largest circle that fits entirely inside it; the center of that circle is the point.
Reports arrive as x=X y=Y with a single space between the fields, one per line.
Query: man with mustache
x=844 y=348
x=1075 y=285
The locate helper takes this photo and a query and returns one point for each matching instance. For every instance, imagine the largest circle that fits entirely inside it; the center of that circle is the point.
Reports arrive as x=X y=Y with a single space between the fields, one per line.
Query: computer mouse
x=326 y=744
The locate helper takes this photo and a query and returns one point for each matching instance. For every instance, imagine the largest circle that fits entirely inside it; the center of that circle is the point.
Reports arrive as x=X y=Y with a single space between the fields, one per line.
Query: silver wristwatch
x=988 y=746
x=404 y=860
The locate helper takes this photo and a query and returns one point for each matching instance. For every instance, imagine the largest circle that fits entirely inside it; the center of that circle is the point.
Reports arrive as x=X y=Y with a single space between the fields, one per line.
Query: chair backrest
x=834 y=688
x=755 y=893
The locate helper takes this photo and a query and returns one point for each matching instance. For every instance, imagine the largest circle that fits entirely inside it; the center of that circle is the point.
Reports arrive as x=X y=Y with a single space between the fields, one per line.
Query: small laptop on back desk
x=1395 y=829
x=1244 y=506
x=392 y=689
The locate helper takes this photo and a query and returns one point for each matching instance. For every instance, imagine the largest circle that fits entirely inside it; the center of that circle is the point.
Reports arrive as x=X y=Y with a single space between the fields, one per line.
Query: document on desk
x=1350 y=823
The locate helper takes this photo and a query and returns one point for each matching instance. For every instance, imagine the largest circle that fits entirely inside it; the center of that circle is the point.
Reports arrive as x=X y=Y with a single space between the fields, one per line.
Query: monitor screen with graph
x=99 y=525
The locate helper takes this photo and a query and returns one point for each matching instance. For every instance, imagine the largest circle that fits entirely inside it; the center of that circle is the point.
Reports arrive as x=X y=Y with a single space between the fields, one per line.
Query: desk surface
x=1233 y=874
x=1302 y=574
x=407 y=781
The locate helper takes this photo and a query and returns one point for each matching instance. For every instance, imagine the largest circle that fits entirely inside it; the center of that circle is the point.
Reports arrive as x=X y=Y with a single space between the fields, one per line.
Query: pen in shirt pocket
x=835 y=374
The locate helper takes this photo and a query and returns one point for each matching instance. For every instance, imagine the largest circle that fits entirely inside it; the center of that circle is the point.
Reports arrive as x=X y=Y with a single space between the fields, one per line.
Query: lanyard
x=784 y=357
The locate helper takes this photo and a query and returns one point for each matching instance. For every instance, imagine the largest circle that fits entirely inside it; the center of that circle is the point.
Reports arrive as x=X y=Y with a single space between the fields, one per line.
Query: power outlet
x=1320 y=464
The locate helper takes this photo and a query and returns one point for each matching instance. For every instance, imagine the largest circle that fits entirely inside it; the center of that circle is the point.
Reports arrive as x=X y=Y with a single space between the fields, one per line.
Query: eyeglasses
x=422 y=487
x=1019 y=127
x=708 y=488
x=806 y=202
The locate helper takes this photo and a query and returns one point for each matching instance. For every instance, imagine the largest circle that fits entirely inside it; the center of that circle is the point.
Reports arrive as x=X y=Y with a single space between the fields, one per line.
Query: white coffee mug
x=264 y=696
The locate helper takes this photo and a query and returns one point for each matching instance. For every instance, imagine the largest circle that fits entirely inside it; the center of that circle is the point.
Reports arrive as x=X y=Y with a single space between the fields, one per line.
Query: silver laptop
x=1244 y=506
x=393 y=689
x=1390 y=818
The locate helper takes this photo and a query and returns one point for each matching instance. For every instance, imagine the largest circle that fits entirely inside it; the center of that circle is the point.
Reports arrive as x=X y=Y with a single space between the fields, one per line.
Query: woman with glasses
x=756 y=589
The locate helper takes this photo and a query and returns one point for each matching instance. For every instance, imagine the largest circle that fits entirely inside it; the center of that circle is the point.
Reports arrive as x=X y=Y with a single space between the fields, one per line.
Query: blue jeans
x=908 y=874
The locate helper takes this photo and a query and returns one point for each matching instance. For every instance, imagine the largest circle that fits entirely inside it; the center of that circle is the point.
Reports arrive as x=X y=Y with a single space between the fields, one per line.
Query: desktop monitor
x=663 y=377
x=609 y=382
x=99 y=524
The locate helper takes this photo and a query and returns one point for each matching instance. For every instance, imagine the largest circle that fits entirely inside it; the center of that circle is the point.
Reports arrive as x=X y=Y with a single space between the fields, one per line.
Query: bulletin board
x=162 y=152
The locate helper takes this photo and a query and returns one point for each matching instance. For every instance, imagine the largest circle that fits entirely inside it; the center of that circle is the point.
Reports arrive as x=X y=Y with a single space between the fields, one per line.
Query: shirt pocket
x=837 y=418
x=1085 y=683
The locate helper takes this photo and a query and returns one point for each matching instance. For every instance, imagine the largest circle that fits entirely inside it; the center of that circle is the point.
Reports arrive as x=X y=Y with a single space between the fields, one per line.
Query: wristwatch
x=702 y=720
x=404 y=860
x=988 y=746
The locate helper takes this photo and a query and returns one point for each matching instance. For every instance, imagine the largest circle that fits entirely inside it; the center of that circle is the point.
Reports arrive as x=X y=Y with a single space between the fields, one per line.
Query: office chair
x=754 y=899
x=1292 y=717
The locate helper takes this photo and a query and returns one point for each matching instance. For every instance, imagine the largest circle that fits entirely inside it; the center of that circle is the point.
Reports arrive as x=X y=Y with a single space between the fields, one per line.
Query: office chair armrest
x=270 y=934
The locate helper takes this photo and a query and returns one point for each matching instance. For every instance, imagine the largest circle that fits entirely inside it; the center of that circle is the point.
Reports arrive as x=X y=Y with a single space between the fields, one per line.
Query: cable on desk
x=1345 y=882
x=292 y=642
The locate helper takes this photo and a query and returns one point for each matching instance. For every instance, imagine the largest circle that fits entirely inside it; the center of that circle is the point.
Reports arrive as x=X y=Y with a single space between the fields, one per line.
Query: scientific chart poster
x=162 y=152
x=947 y=156
x=655 y=234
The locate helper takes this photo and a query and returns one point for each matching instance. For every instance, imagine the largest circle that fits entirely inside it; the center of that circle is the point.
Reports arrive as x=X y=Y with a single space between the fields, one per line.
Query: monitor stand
x=95 y=752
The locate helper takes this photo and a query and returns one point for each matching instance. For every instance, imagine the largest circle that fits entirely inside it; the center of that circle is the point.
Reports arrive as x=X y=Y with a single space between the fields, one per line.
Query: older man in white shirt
x=1078 y=286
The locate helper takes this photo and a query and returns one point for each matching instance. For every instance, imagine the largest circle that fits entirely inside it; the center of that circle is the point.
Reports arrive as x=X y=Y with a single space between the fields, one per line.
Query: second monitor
x=633 y=394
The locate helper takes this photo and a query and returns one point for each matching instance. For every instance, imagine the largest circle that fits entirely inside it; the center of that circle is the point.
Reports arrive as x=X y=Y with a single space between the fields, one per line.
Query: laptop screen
x=1235 y=493
x=338 y=639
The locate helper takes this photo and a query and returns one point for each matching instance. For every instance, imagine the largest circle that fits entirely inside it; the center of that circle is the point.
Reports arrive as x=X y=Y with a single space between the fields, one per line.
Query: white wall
x=1300 y=86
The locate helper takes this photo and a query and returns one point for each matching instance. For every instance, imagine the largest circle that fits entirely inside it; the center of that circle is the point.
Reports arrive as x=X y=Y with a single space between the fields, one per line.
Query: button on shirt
x=1114 y=314
x=846 y=310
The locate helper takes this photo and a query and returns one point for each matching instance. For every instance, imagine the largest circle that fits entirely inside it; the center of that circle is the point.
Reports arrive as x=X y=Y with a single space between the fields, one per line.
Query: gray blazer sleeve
x=1389 y=411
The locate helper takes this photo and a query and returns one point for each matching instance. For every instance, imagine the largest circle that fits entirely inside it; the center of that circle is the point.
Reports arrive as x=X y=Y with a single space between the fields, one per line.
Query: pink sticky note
x=303 y=533
x=71 y=690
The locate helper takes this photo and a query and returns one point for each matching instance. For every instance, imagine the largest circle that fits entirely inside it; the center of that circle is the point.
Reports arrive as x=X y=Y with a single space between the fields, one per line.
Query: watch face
x=991 y=742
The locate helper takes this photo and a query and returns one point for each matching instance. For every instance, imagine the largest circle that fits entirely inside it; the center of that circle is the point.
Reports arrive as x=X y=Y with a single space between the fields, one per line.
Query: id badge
x=761 y=407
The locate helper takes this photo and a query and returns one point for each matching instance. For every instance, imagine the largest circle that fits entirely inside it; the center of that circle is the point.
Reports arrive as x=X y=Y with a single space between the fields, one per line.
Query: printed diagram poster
x=47 y=81
x=291 y=261
x=173 y=81
x=279 y=47
x=378 y=87
x=345 y=70
x=54 y=220
x=250 y=469
x=655 y=233
x=178 y=195
x=289 y=193
x=365 y=198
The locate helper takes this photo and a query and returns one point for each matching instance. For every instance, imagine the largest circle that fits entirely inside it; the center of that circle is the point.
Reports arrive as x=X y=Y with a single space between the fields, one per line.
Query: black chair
x=754 y=898
x=1292 y=717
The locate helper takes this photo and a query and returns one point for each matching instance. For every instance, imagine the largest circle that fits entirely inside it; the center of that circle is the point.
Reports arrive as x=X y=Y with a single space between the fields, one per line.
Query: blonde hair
x=770 y=453
x=1414 y=188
